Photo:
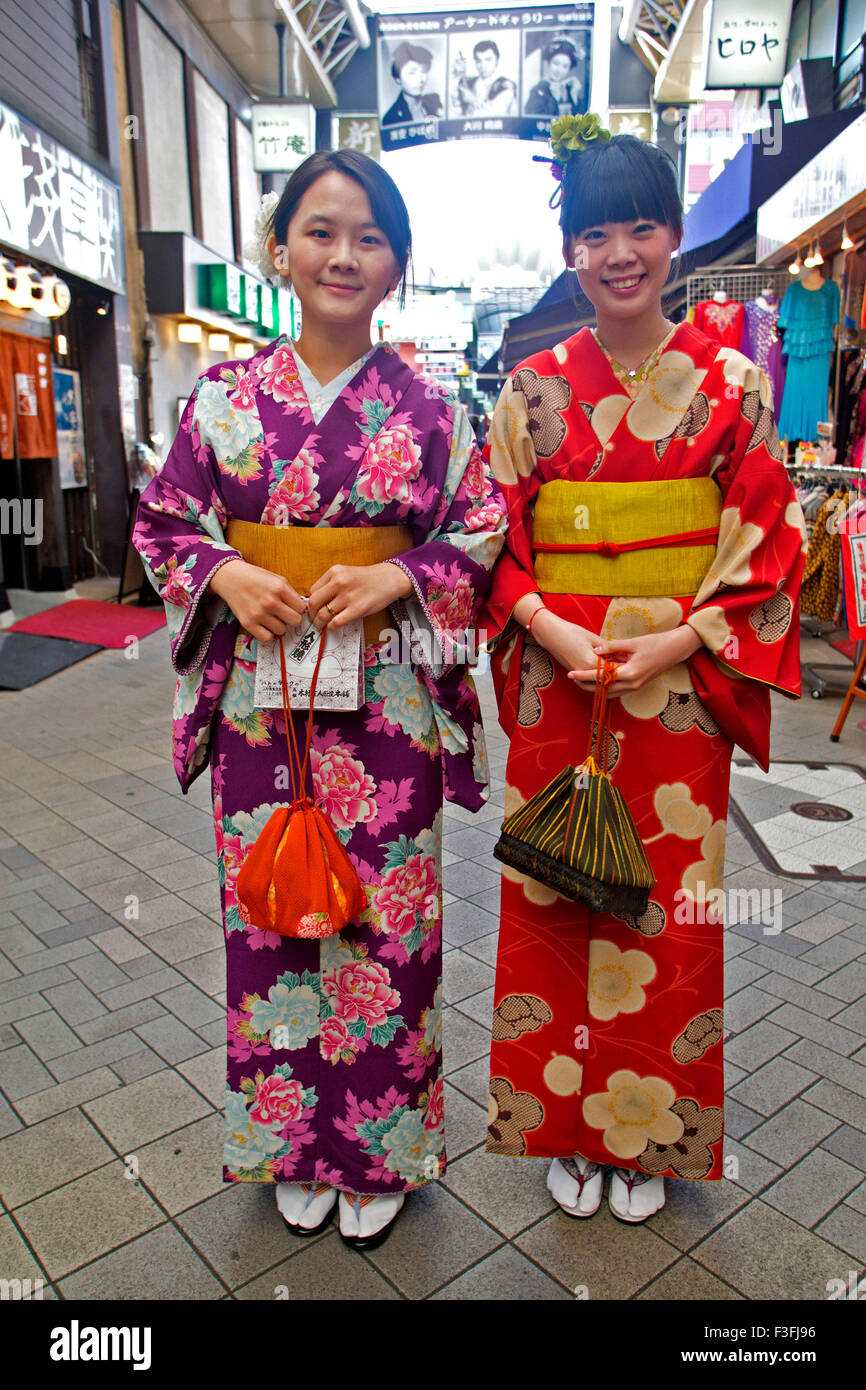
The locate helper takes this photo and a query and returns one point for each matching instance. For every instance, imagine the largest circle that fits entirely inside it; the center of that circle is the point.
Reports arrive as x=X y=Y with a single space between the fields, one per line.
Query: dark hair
x=482 y=44
x=560 y=46
x=619 y=180
x=386 y=201
x=409 y=53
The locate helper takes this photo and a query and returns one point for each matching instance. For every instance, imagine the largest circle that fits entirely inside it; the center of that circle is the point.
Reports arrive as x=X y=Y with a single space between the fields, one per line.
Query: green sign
x=221 y=288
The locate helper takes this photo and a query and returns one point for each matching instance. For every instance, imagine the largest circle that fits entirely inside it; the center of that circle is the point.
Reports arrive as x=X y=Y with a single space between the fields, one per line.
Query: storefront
x=204 y=309
x=67 y=398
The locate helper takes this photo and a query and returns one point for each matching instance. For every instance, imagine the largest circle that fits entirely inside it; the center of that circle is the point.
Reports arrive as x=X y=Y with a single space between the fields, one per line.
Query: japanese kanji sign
x=57 y=208
x=482 y=72
x=748 y=44
x=284 y=133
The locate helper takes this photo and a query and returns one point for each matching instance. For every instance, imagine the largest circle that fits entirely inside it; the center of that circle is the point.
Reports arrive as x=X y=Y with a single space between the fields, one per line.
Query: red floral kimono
x=607 y=1030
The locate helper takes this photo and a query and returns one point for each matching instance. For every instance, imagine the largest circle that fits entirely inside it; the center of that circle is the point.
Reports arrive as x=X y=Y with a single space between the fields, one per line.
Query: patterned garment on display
x=334 y=1045
x=607 y=1030
x=721 y=321
x=819 y=596
x=809 y=318
x=761 y=343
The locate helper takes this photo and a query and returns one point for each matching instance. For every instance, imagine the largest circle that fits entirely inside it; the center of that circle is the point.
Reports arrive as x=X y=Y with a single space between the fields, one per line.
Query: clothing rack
x=739 y=282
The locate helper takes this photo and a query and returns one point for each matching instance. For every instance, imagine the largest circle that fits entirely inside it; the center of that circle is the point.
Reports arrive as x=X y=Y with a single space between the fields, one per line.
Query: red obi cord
x=613 y=548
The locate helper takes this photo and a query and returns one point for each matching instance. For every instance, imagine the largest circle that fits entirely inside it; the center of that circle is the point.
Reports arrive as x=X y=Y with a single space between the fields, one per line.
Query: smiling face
x=413 y=78
x=622 y=266
x=340 y=264
x=559 y=67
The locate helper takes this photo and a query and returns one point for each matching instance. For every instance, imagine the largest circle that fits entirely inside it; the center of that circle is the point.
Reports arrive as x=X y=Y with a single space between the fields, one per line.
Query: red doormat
x=846 y=647
x=86 y=620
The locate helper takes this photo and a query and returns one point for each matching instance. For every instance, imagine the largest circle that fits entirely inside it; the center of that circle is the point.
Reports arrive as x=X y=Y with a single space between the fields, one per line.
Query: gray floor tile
x=765 y=1254
x=240 y=1232
x=838 y=1101
x=688 y=1281
x=23 y=1073
x=849 y=1144
x=316 y=1270
x=746 y=1168
x=846 y=1227
x=506 y=1275
x=157 y=1265
x=821 y=1030
x=602 y=1255
x=47 y=1155
x=791 y=1133
x=772 y=1086
x=813 y=1187
x=66 y=1096
x=434 y=1239
x=463 y=922
x=463 y=1040
x=693 y=1209
x=185 y=1166
x=746 y=1007
x=758 y=1044
x=146 y=1110
x=463 y=976
x=87 y=1218
x=509 y=1193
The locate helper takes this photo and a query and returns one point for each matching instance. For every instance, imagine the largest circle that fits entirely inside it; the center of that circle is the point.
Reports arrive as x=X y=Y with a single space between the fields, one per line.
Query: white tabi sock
x=305 y=1204
x=364 y=1214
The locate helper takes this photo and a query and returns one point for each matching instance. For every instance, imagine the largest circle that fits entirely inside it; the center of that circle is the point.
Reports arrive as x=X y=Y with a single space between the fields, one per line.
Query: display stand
x=854 y=692
x=740 y=282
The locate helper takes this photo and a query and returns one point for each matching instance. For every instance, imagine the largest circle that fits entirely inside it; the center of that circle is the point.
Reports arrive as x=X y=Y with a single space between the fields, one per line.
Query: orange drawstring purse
x=297 y=879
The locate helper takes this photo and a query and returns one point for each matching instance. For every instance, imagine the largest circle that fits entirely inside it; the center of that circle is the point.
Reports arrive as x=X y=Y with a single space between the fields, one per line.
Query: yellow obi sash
x=651 y=539
x=301 y=554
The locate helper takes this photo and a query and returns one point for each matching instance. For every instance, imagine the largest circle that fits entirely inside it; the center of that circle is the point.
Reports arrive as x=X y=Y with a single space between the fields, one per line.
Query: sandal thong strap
x=581 y=1178
x=633 y=1178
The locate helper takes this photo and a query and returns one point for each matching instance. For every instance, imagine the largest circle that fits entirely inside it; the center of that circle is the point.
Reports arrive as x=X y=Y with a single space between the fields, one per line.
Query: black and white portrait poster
x=482 y=72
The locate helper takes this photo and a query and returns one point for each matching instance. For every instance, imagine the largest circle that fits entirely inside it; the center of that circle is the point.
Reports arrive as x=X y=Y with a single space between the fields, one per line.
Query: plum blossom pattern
x=613 y=1022
x=334 y=1057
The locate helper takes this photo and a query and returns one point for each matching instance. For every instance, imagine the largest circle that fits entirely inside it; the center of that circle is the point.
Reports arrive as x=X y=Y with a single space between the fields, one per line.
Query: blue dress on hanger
x=808 y=318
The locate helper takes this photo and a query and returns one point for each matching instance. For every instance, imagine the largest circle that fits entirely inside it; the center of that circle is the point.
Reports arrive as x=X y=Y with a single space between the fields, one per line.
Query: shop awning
x=755 y=173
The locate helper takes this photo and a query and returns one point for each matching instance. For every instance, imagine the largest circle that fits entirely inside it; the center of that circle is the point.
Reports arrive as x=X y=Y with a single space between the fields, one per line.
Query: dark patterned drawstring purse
x=576 y=835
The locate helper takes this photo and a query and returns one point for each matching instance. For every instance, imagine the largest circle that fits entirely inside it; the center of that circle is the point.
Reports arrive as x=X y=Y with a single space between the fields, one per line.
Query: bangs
x=623 y=180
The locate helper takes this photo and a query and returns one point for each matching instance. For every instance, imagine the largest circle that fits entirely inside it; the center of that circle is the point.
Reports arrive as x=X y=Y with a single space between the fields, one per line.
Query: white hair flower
x=256 y=249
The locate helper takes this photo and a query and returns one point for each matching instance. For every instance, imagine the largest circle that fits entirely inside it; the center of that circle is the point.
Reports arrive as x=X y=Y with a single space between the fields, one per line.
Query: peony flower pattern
x=305 y=1015
x=341 y=786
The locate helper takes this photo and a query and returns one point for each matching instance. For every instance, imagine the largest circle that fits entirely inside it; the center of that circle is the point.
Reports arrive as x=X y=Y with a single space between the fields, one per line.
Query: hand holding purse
x=576 y=835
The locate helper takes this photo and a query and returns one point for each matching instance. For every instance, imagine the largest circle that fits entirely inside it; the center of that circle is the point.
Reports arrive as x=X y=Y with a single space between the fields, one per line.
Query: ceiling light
x=847 y=243
x=244 y=350
x=189 y=332
x=61 y=347
x=218 y=342
x=817 y=258
x=809 y=260
x=796 y=265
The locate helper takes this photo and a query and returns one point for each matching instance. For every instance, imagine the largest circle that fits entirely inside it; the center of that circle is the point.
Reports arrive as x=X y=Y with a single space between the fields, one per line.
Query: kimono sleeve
x=513 y=461
x=179 y=534
x=450 y=567
x=746 y=611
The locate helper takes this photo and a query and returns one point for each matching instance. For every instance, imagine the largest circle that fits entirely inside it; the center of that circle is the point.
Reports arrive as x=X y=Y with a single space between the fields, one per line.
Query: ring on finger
x=330 y=610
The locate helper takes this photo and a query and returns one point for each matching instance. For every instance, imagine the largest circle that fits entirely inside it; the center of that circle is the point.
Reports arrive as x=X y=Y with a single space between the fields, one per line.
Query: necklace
x=630 y=376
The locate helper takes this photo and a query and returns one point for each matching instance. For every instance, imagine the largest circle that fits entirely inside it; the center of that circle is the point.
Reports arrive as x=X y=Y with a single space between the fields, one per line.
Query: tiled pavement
x=111 y=1030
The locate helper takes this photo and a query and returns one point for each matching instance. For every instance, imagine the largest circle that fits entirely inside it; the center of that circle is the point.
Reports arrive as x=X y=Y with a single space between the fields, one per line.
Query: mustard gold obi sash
x=301 y=554
x=650 y=539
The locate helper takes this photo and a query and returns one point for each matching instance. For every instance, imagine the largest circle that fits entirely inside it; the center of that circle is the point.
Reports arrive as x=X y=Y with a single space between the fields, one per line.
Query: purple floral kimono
x=334 y=1046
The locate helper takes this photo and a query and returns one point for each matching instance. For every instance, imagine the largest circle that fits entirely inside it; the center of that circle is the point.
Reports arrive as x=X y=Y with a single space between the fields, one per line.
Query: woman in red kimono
x=651 y=521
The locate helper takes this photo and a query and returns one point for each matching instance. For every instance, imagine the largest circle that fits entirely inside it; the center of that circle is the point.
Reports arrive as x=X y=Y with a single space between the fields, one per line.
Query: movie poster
x=482 y=72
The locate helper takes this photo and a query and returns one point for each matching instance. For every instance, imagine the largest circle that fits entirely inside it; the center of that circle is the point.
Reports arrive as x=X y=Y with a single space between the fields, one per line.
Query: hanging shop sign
x=359 y=133
x=832 y=178
x=230 y=291
x=70 y=428
x=637 y=123
x=852 y=535
x=482 y=72
x=284 y=133
x=747 y=44
x=57 y=208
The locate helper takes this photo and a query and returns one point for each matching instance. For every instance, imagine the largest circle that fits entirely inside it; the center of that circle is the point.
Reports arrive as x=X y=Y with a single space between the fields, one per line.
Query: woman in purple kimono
x=334 y=1081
